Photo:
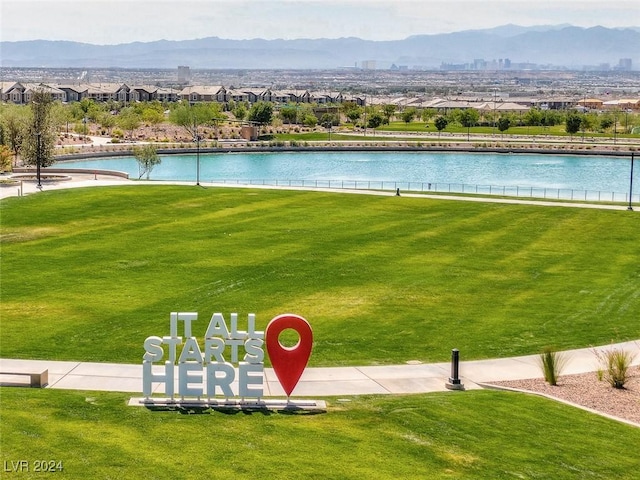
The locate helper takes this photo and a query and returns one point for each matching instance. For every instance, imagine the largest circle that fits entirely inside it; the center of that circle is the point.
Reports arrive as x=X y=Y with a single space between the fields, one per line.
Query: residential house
x=237 y=96
x=31 y=88
x=195 y=94
x=590 y=103
x=143 y=93
x=623 y=104
x=502 y=107
x=12 y=92
x=167 y=95
x=255 y=95
x=104 y=92
x=326 y=97
x=74 y=93
x=279 y=97
x=552 y=103
x=298 y=96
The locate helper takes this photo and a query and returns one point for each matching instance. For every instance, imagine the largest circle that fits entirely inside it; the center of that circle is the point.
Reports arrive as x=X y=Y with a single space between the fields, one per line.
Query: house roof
x=502 y=107
x=203 y=90
x=146 y=88
x=8 y=86
x=78 y=87
x=41 y=86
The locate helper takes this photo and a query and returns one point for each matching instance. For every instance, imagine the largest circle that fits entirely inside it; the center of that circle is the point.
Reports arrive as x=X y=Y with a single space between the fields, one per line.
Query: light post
x=38 y=153
x=584 y=114
x=584 y=109
x=631 y=184
x=196 y=138
x=38 y=160
x=493 y=129
x=626 y=121
x=365 y=115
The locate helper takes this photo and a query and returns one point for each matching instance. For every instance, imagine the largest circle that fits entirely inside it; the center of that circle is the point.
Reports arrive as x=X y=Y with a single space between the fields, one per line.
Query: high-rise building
x=368 y=65
x=625 y=64
x=184 y=74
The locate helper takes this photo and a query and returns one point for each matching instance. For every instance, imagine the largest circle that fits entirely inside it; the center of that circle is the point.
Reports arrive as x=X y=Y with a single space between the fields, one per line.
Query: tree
x=606 y=123
x=441 y=123
x=289 y=113
x=549 y=119
x=533 y=117
x=14 y=125
x=573 y=122
x=107 y=121
x=327 y=120
x=309 y=120
x=454 y=116
x=261 y=112
x=589 y=121
x=503 y=124
x=129 y=120
x=38 y=142
x=388 y=111
x=5 y=158
x=428 y=114
x=354 y=115
x=239 y=111
x=352 y=111
x=375 y=120
x=61 y=116
x=192 y=117
x=152 y=116
x=468 y=118
x=409 y=114
x=147 y=157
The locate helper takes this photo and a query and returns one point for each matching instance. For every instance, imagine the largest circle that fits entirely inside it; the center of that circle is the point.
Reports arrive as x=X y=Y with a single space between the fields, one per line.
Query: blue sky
x=123 y=21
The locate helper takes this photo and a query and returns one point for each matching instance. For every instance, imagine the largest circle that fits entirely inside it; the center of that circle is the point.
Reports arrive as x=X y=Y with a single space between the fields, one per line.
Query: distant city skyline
x=124 y=21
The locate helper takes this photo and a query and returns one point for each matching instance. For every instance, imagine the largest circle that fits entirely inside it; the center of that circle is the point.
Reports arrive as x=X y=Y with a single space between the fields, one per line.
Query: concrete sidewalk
x=324 y=381
x=77 y=180
x=88 y=180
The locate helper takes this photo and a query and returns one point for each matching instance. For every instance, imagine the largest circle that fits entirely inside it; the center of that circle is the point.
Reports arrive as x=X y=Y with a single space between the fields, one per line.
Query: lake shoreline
x=565 y=149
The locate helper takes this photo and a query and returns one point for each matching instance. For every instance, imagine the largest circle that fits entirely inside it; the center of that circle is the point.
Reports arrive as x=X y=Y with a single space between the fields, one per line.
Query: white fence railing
x=443 y=187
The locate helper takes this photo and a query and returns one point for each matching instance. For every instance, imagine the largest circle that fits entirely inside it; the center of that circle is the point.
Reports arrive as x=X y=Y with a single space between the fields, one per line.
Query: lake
x=557 y=176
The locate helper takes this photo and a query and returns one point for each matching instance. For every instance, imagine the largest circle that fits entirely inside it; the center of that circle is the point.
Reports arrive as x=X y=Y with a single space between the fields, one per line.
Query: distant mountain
x=511 y=30
x=547 y=45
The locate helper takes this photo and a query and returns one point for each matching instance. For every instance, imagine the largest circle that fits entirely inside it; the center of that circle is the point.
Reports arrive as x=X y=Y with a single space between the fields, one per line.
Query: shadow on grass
x=291 y=410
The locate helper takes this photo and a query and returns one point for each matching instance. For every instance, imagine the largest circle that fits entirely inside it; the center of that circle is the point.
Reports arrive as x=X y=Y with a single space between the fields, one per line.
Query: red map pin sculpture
x=288 y=362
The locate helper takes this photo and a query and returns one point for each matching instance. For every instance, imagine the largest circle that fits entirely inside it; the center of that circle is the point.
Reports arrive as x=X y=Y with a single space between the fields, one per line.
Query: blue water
x=598 y=174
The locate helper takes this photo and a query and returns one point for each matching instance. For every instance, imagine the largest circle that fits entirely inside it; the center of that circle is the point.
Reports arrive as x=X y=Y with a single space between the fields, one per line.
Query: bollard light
x=454 y=382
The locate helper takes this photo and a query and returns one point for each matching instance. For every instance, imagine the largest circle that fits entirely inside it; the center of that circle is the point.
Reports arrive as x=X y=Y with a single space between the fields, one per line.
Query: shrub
x=552 y=364
x=615 y=364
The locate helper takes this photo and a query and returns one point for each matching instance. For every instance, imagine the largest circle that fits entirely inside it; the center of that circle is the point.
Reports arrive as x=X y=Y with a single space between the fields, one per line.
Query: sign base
x=165 y=403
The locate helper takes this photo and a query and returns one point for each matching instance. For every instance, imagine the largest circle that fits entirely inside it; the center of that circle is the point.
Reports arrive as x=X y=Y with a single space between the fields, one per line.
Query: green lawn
x=555 y=133
x=88 y=274
x=556 y=130
x=477 y=434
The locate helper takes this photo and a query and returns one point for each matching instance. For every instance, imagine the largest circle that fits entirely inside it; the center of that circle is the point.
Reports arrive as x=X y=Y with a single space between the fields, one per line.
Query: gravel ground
x=586 y=390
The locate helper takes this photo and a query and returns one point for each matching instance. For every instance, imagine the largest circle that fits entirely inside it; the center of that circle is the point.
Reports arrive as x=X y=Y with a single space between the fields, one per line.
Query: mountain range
x=559 y=45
